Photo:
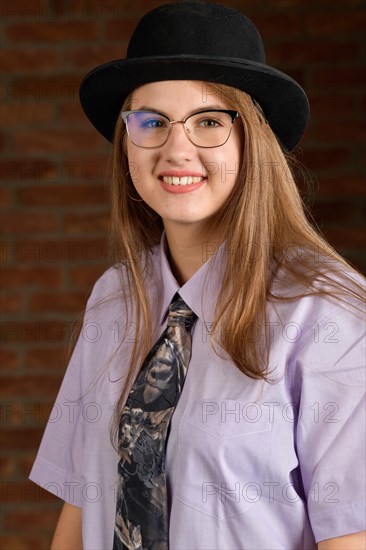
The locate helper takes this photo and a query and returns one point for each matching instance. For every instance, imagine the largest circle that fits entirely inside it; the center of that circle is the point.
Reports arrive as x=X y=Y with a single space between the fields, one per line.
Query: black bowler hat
x=196 y=41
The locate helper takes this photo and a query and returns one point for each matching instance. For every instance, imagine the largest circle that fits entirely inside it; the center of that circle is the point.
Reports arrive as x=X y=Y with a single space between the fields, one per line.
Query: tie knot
x=180 y=314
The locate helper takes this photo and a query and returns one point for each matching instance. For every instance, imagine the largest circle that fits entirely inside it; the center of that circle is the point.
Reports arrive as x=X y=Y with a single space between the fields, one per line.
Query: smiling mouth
x=184 y=180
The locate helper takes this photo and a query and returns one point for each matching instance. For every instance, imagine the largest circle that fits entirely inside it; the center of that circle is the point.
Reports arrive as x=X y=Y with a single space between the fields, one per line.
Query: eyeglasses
x=149 y=129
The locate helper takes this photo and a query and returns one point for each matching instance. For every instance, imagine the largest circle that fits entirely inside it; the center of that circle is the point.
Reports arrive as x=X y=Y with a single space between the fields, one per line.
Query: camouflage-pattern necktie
x=142 y=510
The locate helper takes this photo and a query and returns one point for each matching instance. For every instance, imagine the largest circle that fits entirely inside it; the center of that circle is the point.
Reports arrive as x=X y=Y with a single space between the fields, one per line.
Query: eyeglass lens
x=208 y=129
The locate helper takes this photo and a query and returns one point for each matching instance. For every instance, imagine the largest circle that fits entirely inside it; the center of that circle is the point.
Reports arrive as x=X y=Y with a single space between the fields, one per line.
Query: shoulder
x=322 y=323
x=321 y=282
x=114 y=283
x=108 y=284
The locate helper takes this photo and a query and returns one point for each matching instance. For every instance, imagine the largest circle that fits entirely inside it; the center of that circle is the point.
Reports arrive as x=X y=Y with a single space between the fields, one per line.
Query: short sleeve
x=330 y=434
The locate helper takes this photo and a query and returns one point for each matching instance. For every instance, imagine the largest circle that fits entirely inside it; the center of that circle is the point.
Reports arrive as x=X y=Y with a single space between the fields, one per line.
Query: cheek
x=141 y=164
x=225 y=166
x=233 y=160
x=137 y=169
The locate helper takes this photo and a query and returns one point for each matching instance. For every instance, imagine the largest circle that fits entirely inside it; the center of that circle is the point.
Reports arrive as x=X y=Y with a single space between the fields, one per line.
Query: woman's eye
x=209 y=123
x=153 y=123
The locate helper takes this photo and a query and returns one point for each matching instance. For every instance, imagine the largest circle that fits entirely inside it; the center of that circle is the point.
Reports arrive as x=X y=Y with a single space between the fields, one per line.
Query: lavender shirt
x=250 y=465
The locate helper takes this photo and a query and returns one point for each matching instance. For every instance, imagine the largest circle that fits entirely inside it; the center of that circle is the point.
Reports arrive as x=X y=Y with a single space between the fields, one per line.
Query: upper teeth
x=185 y=180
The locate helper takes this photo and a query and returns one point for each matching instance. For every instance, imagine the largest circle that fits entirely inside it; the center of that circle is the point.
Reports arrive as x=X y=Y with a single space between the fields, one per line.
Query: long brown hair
x=265 y=226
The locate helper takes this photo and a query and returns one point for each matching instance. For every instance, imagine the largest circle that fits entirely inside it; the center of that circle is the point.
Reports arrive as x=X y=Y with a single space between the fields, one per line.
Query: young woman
x=263 y=448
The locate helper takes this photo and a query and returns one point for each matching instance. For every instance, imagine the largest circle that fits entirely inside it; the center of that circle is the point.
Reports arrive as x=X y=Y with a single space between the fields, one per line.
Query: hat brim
x=284 y=102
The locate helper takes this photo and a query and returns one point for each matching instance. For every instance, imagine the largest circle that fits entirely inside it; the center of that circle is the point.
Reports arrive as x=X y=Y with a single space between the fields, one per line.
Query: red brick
x=70 y=302
x=6 y=197
x=346 y=3
x=345 y=131
x=277 y=24
x=11 y=303
x=129 y=10
x=56 y=141
x=335 y=106
x=339 y=77
x=29 y=60
x=26 y=463
x=11 y=415
x=86 y=169
x=62 y=195
x=346 y=237
x=9 y=359
x=21 y=169
x=72 y=114
x=32 y=518
x=73 y=169
x=29 y=276
x=42 y=358
x=35 y=332
x=329 y=212
x=10 y=9
x=342 y=186
x=25 y=492
x=54 y=251
x=313 y=52
x=4 y=140
x=30 y=386
x=25 y=542
x=76 y=9
x=15 y=413
x=86 y=276
x=323 y=159
x=7 y=468
x=93 y=10
x=147 y=5
x=26 y=114
x=120 y=30
x=335 y=23
x=94 y=222
x=91 y=56
x=286 y=4
x=57 y=32
x=22 y=439
x=42 y=89
x=27 y=222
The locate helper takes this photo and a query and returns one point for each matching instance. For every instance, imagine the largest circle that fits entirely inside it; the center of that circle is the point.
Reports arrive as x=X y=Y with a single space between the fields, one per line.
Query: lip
x=180 y=189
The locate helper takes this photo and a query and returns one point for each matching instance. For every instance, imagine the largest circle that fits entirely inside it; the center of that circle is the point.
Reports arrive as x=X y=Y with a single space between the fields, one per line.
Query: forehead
x=180 y=95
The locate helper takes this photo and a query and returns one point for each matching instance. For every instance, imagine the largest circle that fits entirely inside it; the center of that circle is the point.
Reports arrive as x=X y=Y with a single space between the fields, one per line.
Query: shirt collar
x=200 y=292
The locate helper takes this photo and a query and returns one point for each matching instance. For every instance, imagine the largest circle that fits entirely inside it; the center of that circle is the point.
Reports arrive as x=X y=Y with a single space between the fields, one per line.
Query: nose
x=178 y=147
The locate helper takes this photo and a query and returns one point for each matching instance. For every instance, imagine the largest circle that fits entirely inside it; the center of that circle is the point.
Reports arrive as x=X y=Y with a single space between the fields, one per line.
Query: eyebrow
x=195 y=111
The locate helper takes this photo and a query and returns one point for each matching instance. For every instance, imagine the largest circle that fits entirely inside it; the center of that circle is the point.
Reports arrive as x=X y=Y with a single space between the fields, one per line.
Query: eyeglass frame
x=233 y=114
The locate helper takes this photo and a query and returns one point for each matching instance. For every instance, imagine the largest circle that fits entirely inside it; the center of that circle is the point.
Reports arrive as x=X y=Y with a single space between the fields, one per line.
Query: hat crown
x=203 y=41
x=196 y=29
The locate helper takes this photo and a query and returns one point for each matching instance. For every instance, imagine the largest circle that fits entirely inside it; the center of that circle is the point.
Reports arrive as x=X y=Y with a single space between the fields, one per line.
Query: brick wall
x=54 y=196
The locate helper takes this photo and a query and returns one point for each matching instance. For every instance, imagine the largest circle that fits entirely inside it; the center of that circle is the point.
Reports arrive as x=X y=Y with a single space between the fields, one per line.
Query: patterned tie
x=142 y=511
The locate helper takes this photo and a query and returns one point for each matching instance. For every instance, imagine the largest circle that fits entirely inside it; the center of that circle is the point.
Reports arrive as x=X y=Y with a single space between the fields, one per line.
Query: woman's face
x=196 y=203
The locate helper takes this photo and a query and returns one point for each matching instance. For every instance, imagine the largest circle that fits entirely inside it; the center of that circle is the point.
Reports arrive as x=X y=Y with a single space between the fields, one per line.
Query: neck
x=188 y=249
